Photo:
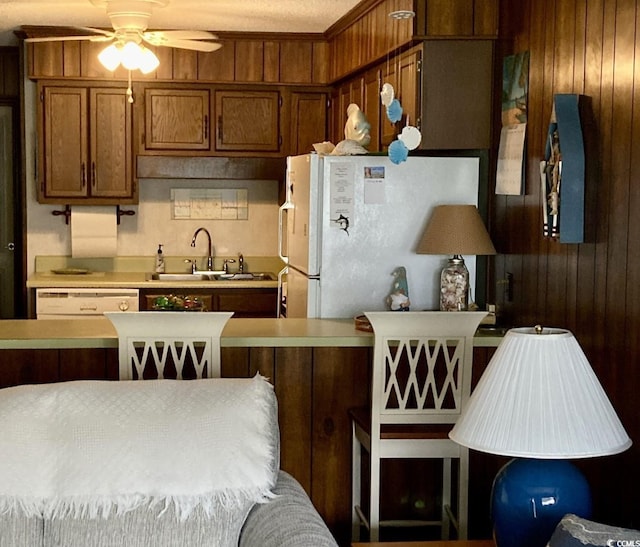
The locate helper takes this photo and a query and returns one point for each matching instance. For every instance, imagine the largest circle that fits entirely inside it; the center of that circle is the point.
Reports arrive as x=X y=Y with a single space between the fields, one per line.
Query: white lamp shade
x=539 y=398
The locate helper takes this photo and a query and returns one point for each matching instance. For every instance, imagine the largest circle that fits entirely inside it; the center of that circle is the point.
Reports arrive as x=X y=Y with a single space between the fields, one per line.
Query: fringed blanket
x=89 y=448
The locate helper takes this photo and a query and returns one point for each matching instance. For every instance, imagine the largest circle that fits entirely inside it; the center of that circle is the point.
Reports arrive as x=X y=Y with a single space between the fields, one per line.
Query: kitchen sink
x=246 y=276
x=178 y=277
x=211 y=276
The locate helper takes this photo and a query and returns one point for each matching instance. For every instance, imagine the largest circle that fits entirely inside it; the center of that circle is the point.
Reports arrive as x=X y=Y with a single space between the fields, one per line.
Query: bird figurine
x=398 y=299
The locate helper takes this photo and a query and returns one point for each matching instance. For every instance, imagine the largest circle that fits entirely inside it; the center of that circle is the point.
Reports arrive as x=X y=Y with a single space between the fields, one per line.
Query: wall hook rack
x=124 y=212
x=67 y=213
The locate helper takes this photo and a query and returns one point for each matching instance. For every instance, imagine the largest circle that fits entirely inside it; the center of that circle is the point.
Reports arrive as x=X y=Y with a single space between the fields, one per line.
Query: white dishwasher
x=60 y=303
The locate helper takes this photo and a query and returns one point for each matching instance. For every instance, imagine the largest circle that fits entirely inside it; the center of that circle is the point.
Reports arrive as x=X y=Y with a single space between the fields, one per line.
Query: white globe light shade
x=110 y=57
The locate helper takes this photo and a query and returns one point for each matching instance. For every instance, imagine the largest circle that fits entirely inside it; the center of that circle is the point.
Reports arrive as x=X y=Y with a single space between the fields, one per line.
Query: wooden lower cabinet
x=245 y=303
x=315 y=387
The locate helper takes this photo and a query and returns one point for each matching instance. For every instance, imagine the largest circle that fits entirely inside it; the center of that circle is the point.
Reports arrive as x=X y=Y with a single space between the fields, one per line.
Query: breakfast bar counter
x=249 y=333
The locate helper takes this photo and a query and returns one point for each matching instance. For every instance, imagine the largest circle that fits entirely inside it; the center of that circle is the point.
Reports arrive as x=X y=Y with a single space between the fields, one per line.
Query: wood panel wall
x=593 y=289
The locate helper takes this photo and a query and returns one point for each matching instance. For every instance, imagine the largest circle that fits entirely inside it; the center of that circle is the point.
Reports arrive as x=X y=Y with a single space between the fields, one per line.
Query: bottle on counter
x=159 y=260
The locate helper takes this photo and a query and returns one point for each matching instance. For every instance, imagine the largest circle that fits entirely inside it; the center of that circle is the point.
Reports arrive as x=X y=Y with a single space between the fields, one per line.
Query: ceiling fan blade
x=108 y=33
x=194 y=45
x=180 y=35
x=67 y=38
x=156 y=39
x=98 y=35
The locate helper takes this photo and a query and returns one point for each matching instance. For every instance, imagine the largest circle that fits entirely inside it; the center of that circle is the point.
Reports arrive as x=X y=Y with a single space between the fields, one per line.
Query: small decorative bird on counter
x=398 y=299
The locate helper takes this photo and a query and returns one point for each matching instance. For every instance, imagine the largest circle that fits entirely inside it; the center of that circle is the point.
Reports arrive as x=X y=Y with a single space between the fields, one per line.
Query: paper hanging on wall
x=510 y=168
x=94 y=231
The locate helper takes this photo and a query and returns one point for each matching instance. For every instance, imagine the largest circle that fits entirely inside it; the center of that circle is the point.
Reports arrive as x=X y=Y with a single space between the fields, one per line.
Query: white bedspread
x=87 y=448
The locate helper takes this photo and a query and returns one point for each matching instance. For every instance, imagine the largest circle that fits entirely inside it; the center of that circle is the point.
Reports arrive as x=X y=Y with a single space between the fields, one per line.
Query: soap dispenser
x=159 y=260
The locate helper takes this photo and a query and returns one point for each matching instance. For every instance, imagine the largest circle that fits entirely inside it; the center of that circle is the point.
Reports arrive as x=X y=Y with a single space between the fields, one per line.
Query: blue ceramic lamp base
x=531 y=496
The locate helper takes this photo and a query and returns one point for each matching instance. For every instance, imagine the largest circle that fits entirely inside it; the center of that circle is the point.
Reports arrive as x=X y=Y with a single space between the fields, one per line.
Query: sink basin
x=245 y=276
x=178 y=277
x=211 y=276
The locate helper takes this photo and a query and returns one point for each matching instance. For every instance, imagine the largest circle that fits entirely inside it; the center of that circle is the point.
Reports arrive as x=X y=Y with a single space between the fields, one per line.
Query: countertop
x=99 y=333
x=131 y=280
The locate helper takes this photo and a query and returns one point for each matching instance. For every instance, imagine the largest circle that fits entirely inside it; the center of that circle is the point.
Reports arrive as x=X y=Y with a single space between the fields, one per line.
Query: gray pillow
x=573 y=531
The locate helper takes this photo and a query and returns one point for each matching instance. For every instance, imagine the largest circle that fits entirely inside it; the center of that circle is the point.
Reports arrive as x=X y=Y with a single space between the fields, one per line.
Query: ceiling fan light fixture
x=131 y=56
x=110 y=57
x=148 y=61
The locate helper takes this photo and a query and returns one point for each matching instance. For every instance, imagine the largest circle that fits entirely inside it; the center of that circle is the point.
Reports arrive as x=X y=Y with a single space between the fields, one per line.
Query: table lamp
x=455 y=230
x=540 y=402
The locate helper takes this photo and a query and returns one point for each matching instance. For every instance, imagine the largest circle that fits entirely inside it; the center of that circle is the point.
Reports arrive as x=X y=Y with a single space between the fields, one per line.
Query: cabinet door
x=176 y=119
x=63 y=142
x=372 y=107
x=457 y=93
x=246 y=302
x=110 y=137
x=409 y=89
x=403 y=73
x=388 y=129
x=349 y=92
x=308 y=121
x=248 y=121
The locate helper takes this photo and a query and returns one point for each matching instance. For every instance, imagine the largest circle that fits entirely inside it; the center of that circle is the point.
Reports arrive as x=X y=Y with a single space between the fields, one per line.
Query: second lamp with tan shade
x=455 y=230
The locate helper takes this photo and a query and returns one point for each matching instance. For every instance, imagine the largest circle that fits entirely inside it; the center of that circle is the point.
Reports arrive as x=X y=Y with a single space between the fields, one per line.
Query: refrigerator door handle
x=279 y=306
x=284 y=207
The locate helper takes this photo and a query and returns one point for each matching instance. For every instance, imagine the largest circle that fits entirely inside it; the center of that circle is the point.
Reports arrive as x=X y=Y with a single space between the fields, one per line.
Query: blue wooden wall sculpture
x=565 y=172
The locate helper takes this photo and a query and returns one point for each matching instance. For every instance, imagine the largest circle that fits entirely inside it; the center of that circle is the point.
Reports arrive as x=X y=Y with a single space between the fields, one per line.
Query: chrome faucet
x=210 y=248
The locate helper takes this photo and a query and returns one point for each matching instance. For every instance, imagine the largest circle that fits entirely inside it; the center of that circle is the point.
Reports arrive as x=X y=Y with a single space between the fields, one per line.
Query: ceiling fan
x=130 y=19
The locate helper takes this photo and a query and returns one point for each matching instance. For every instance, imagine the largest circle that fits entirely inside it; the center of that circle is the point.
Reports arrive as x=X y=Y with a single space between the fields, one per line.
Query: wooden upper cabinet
x=64 y=154
x=457 y=18
x=176 y=119
x=248 y=121
x=85 y=145
x=372 y=107
x=442 y=86
x=457 y=78
x=388 y=130
x=308 y=121
x=349 y=92
x=111 y=145
x=409 y=88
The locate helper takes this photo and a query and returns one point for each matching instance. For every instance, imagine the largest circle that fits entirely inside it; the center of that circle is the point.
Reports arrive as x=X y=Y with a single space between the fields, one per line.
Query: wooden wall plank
x=82 y=364
x=296 y=62
x=28 y=366
x=341 y=380
x=294 y=368
x=272 y=62
x=249 y=61
x=218 y=65
x=592 y=288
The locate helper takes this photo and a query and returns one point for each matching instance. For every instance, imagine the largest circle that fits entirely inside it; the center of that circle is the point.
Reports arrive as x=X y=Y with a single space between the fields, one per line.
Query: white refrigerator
x=349 y=221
